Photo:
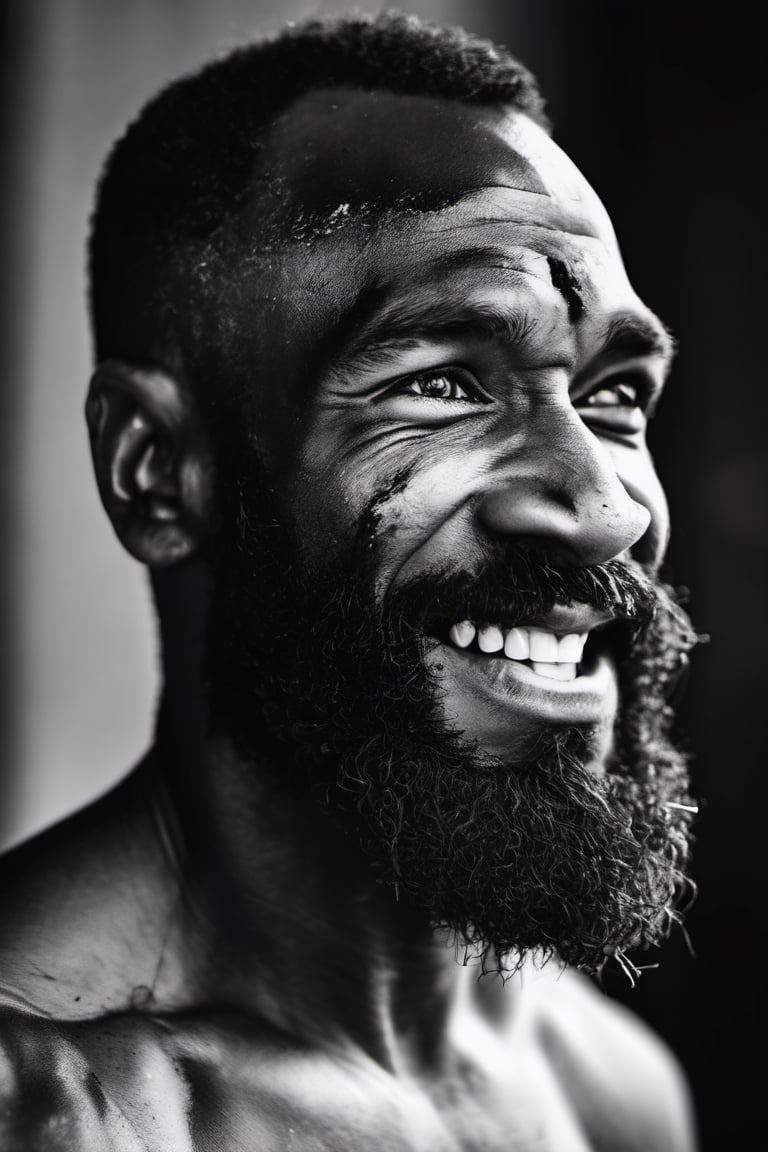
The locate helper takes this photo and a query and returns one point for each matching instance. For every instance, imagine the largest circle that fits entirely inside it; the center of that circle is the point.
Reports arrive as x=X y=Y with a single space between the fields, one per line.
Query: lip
x=522 y=694
x=562 y=619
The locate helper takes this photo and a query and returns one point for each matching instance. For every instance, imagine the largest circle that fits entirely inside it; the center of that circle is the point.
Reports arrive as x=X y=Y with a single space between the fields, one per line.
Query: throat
x=285 y=919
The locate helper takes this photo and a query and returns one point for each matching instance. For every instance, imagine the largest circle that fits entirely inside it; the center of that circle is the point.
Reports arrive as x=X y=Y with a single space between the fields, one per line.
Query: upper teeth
x=537 y=644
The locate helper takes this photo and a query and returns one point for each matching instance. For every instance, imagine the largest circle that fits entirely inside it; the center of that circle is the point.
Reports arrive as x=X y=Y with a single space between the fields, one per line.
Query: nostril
x=649 y=549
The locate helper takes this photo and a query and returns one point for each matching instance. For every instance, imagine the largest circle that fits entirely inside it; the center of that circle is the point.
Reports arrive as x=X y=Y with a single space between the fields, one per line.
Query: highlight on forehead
x=342 y=154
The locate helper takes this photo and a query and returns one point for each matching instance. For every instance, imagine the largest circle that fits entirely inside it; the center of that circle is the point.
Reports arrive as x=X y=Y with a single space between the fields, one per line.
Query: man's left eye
x=453 y=384
x=617 y=394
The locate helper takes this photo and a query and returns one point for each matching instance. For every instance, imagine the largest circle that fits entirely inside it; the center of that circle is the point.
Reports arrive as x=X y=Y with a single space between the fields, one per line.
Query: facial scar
x=369 y=521
x=567 y=285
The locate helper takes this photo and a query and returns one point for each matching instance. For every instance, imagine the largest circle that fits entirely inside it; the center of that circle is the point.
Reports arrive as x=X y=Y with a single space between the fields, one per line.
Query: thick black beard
x=540 y=855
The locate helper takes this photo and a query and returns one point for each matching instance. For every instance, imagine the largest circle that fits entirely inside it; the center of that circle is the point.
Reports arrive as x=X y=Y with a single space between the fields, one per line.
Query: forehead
x=344 y=146
x=464 y=200
x=379 y=148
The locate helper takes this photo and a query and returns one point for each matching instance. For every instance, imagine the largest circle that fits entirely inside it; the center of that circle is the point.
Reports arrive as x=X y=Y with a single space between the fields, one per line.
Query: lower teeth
x=552 y=671
x=555 y=671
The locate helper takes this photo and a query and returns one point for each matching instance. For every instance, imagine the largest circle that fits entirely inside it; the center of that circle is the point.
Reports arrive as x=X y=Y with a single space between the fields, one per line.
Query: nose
x=560 y=487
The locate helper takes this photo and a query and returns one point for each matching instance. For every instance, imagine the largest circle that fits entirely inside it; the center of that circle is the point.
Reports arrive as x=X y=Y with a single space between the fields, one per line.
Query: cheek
x=324 y=512
x=427 y=523
x=398 y=499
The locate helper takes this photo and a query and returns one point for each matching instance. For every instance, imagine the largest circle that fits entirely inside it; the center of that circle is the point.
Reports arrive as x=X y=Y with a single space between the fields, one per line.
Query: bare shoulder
x=51 y=1098
x=623 y=1080
x=125 y=1083
x=83 y=909
x=137 y=1082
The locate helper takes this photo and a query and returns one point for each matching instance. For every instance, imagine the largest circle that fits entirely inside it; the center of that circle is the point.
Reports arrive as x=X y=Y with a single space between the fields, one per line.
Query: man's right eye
x=446 y=384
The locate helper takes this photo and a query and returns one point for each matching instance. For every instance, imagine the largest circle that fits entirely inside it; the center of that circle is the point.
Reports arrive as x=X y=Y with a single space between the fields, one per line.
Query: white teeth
x=462 y=634
x=550 y=657
x=555 y=671
x=543 y=645
x=571 y=647
x=516 y=645
x=490 y=638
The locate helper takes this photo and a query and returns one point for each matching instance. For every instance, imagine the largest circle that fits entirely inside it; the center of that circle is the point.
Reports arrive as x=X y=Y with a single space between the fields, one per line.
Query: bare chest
x=144 y=1084
x=212 y=1095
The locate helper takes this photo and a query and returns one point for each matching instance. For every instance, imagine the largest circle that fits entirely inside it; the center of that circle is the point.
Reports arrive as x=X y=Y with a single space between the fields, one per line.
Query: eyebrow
x=631 y=335
x=406 y=325
x=377 y=324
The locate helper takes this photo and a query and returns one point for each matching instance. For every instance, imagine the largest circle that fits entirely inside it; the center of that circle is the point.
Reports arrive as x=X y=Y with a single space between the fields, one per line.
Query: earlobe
x=152 y=462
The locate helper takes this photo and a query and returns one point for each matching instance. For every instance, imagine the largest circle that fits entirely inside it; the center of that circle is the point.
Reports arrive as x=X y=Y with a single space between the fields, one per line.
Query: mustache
x=519 y=583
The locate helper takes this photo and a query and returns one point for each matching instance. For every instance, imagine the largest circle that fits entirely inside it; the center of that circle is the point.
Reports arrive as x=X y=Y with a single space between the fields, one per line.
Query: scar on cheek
x=368 y=526
x=567 y=285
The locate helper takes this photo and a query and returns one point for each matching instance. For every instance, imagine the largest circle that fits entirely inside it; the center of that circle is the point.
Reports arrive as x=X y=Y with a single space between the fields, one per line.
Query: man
x=370 y=403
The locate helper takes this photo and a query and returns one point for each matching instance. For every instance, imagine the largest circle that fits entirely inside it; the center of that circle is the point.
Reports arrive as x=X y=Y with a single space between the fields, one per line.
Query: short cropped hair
x=193 y=154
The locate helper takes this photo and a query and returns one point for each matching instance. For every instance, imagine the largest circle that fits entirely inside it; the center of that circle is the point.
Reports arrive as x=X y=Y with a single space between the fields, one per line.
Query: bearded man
x=370 y=403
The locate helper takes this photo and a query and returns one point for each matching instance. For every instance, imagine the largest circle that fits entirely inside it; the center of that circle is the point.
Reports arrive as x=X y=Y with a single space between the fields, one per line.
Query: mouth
x=560 y=667
x=553 y=655
x=562 y=645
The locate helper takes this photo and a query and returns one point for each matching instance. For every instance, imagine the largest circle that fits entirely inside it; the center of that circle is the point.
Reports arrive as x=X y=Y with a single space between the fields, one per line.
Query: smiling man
x=370 y=403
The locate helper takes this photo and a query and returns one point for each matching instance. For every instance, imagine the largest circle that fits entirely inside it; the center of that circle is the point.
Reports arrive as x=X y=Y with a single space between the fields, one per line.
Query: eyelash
x=640 y=386
x=459 y=377
x=637 y=383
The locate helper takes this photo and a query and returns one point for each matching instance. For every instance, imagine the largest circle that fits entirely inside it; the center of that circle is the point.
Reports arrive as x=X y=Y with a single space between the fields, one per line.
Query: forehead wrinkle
x=349 y=326
x=375 y=304
x=521 y=208
x=368 y=218
x=505 y=221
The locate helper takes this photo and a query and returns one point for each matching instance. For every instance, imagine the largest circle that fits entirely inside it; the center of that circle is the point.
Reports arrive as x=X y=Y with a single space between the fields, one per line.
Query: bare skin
x=199 y=960
x=151 y=1027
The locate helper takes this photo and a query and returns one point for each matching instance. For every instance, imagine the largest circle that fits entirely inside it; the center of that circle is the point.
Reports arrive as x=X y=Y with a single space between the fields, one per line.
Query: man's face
x=457 y=373
x=489 y=375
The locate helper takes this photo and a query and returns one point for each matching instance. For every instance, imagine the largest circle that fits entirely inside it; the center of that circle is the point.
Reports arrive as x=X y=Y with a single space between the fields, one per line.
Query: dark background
x=663 y=107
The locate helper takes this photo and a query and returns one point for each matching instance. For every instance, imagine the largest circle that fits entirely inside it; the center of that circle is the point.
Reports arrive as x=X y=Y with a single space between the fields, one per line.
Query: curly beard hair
x=537 y=855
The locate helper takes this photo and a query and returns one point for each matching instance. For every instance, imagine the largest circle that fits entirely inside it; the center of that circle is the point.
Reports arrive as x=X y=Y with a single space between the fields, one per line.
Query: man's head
x=369 y=349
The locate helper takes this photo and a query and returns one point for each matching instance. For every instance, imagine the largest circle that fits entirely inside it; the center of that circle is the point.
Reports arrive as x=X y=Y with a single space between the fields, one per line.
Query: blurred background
x=663 y=107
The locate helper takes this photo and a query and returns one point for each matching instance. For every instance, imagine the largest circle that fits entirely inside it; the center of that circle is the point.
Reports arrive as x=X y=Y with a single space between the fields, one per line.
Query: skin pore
x=454 y=360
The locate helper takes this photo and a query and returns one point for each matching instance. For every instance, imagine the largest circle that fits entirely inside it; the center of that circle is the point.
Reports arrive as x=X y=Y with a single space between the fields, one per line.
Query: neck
x=288 y=919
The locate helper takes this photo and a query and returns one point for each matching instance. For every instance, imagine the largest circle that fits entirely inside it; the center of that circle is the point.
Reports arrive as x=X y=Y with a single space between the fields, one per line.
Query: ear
x=152 y=461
